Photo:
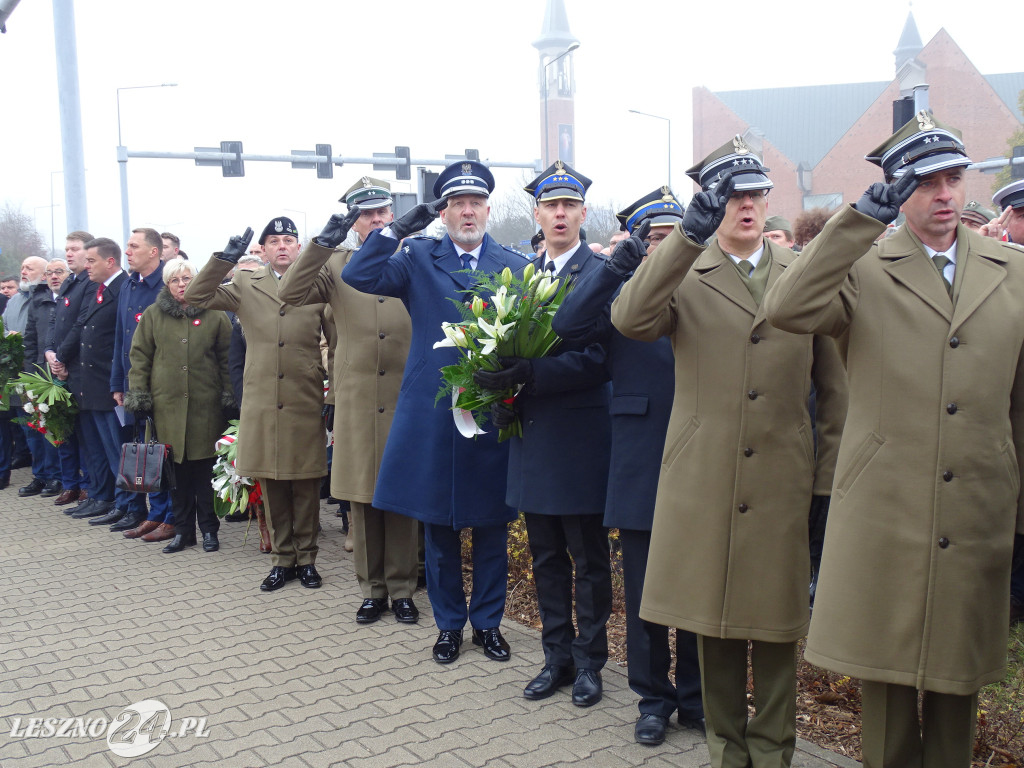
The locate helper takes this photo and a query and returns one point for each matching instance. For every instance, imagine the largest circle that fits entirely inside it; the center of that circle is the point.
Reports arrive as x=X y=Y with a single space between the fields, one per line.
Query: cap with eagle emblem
x=282 y=225
x=735 y=155
x=923 y=145
x=465 y=177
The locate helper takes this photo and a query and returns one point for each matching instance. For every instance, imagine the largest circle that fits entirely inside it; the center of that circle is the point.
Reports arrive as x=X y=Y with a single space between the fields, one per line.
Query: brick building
x=814 y=138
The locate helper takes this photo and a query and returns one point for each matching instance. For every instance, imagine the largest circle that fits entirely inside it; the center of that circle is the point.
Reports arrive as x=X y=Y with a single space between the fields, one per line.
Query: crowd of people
x=718 y=393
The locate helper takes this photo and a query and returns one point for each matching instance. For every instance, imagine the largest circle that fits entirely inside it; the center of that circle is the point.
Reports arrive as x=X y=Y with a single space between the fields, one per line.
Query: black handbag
x=146 y=466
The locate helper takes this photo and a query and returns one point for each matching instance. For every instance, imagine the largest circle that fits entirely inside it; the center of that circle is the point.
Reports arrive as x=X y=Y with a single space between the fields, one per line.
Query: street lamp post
x=547 y=128
x=122 y=154
x=660 y=117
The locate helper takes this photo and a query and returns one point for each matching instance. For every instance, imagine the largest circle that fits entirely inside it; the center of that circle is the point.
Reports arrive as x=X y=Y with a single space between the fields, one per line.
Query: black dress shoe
x=129 y=521
x=308 y=576
x=494 y=644
x=235 y=517
x=80 y=507
x=32 y=489
x=98 y=509
x=550 y=679
x=371 y=609
x=112 y=516
x=446 y=649
x=586 y=691
x=210 y=542
x=279 y=576
x=51 y=488
x=650 y=729
x=178 y=543
x=405 y=610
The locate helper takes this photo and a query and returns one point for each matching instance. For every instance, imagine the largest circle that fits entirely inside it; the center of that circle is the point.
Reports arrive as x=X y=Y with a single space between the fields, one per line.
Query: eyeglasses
x=183 y=280
x=52 y=272
x=753 y=194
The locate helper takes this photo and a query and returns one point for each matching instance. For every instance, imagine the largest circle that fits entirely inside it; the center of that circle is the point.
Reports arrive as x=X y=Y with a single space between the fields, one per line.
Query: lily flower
x=454 y=336
x=506 y=277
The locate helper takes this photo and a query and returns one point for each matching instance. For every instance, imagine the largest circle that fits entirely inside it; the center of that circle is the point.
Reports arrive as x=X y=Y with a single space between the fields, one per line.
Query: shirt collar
x=950 y=253
x=754 y=258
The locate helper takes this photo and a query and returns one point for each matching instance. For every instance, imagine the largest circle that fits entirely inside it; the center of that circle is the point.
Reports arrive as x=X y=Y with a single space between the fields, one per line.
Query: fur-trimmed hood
x=170 y=306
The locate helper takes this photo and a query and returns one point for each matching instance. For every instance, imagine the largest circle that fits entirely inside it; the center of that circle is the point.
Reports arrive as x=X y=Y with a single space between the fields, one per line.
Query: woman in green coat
x=179 y=376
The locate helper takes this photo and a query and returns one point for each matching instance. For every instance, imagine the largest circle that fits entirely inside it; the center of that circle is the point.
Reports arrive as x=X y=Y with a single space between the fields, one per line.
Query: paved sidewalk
x=91 y=622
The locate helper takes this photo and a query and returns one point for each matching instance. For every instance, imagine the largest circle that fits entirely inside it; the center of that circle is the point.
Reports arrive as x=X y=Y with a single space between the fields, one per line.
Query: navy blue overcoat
x=429 y=471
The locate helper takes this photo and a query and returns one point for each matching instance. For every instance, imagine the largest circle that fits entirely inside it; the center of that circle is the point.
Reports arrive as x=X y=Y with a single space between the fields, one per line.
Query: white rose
x=27 y=407
x=44 y=408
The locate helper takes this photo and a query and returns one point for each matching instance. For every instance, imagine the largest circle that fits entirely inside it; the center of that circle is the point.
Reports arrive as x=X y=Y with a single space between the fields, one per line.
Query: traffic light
x=1017 y=169
x=403 y=172
x=324 y=170
x=234 y=166
x=473 y=154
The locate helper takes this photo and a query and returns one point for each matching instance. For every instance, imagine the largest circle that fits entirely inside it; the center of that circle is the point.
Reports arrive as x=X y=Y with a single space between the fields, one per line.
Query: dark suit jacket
x=40 y=313
x=560 y=464
x=643 y=383
x=90 y=377
x=64 y=332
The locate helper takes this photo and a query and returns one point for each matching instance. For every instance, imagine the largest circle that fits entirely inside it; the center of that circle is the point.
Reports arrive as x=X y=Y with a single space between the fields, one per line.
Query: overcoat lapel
x=774 y=272
x=447 y=261
x=910 y=266
x=982 y=276
x=266 y=283
x=718 y=273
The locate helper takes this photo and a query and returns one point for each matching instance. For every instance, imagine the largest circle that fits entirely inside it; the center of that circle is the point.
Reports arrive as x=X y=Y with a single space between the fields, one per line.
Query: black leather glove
x=503 y=416
x=236 y=247
x=337 y=227
x=629 y=252
x=328 y=414
x=707 y=209
x=883 y=201
x=419 y=217
x=514 y=371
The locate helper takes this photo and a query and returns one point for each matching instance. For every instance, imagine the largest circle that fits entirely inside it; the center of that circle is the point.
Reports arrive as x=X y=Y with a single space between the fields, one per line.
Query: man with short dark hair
x=780 y=231
x=913 y=595
x=171 y=246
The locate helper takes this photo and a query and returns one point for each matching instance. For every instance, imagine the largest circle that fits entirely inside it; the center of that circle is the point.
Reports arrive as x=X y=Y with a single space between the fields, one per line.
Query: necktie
x=746 y=266
x=99 y=294
x=550 y=267
x=467 y=260
x=941 y=261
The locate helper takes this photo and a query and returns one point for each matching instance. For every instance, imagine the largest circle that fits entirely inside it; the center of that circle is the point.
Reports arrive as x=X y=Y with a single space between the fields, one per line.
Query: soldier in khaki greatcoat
x=281 y=438
x=914 y=588
x=729 y=546
x=373 y=334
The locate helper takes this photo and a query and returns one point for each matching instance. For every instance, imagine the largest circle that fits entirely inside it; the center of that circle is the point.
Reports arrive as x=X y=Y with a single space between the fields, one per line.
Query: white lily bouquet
x=513 y=321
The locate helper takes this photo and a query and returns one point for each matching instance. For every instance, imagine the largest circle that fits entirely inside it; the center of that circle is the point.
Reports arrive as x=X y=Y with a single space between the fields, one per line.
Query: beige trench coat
x=914 y=585
x=373 y=334
x=280 y=433
x=729 y=547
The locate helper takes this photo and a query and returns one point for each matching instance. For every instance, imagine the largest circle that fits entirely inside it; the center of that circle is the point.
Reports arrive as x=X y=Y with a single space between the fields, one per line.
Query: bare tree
x=511 y=221
x=19 y=239
x=601 y=224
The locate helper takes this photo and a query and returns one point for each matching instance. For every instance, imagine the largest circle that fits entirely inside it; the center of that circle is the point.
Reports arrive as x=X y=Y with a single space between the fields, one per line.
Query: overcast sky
x=438 y=77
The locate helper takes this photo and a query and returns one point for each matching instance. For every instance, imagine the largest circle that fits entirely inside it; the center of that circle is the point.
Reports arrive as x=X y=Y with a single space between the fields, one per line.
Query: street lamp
x=660 y=117
x=547 y=128
x=122 y=154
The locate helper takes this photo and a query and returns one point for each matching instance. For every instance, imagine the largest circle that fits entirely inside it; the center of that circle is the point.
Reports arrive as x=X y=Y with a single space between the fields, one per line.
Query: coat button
x=947 y=475
x=954 y=342
x=282 y=312
x=380 y=299
x=754 y=339
x=951 y=409
x=748 y=452
x=752 y=394
x=943 y=542
x=380 y=372
x=742 y=508
x=184 y=341
x=184 y=367
x=380 y=335
x=380 y=410
x=280 y=375
x=280 y=406
x=280 y=343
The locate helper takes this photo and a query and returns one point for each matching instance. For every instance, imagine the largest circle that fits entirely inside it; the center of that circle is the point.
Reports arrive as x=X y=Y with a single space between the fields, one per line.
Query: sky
x=437 y=77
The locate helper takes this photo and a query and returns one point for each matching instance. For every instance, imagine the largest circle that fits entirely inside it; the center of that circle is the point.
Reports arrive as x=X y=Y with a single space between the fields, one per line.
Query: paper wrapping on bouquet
x=146 y=466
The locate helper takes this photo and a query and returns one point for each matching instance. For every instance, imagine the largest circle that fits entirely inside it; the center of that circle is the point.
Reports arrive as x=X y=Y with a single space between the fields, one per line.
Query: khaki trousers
x=768 y=739
x=895 y=737
x=384 y=547
x=293 y=517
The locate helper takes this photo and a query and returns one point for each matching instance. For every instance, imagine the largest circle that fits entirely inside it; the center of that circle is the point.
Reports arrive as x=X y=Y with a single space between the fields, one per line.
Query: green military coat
x=281 y=433
x=373 y=334
x=915 y=577
x=729 y=545
x=179 y=357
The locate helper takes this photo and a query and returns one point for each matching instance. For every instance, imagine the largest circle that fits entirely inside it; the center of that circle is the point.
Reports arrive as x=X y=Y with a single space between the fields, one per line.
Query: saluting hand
x=235 y=249
x=707 y=209
x=630 y=252
x=419 y=217
x=883 y=201
x=337 y=227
